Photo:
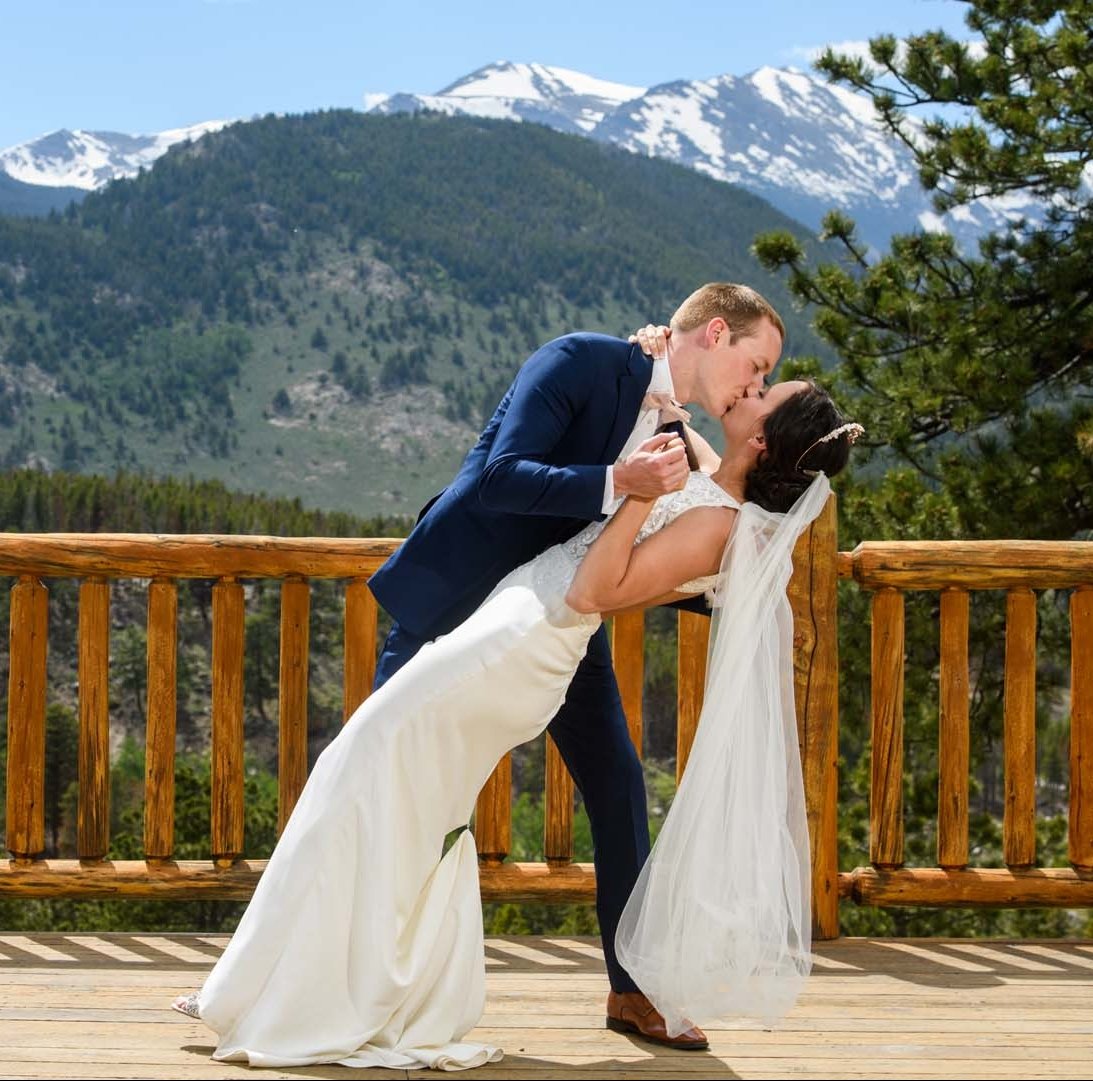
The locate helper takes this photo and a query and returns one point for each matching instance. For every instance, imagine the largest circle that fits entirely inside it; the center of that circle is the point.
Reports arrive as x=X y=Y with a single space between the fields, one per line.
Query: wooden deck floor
x=75 y=1005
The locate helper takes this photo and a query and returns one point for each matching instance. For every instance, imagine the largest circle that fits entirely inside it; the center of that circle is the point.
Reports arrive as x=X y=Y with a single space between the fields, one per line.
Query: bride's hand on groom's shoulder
x=652 y=339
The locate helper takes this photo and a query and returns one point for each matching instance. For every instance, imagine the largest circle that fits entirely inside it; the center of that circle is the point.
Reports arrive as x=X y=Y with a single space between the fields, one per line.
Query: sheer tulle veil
x=719 y=922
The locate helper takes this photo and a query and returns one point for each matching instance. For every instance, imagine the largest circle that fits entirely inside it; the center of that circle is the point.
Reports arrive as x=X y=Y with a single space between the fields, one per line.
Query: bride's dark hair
x=792 y=432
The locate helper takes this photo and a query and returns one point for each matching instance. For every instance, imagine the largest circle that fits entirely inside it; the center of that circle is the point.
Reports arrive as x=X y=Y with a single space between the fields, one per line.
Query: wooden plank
x=227 y=721
x=1046 y=887
x=693 y=644
x=512 y=1006
x=886 y=788
x=493 y=816
x=190 y=555
x=26 y=830
x=628 y=657
x=1080 y=841
x=361 y=613
x=1019 y=816
x=292 y=697
x=813 y=599
x=954 y=733
x=973 y=564
x=558 y=811
x=629 y=1059
x=93 y=668
x=554 y=996
x=539 y=1043
x=159 y=760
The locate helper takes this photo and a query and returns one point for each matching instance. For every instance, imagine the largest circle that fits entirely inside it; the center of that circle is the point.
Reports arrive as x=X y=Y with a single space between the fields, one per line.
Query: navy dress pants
x=591 y=734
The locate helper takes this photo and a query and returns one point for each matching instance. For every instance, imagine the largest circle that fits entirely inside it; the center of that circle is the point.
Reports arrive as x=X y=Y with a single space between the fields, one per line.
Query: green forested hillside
x=31 y=200
x=327 y=306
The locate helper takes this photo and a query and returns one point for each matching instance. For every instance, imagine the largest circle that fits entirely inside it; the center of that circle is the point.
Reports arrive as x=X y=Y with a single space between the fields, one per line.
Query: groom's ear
x=716 y=329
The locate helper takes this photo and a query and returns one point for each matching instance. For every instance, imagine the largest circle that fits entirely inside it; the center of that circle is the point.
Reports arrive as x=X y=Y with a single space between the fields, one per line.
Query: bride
x=362 y=945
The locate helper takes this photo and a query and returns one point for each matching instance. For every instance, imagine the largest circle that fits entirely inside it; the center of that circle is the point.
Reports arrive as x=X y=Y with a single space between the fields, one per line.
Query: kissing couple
x=362 y=943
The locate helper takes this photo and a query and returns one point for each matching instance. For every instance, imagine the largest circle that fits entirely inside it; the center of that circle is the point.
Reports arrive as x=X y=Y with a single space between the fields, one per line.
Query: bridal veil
x=719 y=922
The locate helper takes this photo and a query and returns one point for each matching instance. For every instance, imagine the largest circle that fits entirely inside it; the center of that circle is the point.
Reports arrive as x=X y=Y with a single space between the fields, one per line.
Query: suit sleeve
x=554 y=386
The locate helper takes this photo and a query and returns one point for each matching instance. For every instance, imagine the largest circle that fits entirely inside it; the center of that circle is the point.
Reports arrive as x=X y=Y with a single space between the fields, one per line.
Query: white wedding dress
x=361 y=944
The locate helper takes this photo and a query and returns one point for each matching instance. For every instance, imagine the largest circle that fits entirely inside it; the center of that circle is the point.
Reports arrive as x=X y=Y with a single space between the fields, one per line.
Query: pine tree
x=971 y=371
x=975 y=368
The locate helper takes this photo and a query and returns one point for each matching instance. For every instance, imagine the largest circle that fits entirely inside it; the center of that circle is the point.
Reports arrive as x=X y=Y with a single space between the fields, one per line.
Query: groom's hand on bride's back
x=659 y=465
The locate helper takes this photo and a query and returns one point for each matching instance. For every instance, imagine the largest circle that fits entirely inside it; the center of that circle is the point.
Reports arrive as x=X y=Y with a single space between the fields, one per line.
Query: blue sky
x=150 y=65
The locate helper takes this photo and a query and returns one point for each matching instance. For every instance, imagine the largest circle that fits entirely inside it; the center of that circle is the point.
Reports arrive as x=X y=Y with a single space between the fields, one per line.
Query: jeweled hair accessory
x=851 y=430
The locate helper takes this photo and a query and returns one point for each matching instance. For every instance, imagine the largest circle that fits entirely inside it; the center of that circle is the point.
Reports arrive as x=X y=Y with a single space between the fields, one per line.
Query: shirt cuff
x=609 y=489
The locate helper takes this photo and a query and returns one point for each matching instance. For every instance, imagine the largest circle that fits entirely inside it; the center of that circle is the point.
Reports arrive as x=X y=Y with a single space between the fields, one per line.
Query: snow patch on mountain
x=90 y=159
x=566 y=100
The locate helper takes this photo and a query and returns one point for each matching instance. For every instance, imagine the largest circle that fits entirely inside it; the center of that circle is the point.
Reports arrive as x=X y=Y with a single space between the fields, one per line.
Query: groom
x=571 y=436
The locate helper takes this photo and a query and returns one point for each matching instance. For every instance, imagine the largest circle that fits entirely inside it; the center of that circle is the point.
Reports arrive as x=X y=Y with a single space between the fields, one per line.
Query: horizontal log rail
x=973 y=887
x=201 y=880
x=887 y=569
x=190 y=555
x=935 y=565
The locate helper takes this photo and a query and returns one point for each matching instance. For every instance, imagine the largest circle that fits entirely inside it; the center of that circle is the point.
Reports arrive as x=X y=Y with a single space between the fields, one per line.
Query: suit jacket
x=535 y=477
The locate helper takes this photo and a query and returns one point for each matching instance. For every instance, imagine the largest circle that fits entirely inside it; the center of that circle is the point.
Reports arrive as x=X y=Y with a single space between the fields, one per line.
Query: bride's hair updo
x=793 y=432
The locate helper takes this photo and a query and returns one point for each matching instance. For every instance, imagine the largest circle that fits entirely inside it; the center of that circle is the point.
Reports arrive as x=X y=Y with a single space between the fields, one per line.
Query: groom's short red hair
x=739 y=305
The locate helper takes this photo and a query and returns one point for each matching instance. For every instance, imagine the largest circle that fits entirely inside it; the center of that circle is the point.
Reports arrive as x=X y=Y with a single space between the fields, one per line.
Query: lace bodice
x=557 y=565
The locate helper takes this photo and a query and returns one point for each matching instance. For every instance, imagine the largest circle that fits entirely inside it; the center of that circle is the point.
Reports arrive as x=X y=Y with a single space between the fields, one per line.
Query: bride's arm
x=616 y=574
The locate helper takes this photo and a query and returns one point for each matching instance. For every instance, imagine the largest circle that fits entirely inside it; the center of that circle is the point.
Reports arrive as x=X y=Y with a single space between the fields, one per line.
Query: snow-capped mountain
x=567 y=100
x=804 y=145
x=90 y=159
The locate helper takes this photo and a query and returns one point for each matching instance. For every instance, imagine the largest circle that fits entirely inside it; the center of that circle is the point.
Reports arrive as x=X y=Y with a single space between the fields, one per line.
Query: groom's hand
x=659 y=465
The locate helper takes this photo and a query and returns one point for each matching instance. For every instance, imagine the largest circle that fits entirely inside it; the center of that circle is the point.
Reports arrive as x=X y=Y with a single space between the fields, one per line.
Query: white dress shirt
x=646 y=426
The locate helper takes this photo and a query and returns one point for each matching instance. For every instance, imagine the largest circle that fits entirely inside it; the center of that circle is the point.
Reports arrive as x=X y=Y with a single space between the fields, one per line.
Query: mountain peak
x=90 y=159
x=537 y=82
x=567 y=100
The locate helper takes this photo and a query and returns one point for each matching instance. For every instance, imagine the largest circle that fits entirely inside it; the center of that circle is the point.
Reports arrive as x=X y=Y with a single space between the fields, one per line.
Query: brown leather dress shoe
x=631 y=1011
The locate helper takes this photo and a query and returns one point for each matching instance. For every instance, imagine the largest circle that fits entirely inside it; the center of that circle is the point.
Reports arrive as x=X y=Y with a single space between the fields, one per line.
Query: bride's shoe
x=187 y=1004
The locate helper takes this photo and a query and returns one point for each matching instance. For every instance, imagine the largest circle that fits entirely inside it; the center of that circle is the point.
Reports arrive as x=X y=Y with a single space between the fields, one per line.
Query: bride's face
x=743 y=424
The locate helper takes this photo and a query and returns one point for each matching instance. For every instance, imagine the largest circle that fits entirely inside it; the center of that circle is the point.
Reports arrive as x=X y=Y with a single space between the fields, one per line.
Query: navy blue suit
x=535 y=477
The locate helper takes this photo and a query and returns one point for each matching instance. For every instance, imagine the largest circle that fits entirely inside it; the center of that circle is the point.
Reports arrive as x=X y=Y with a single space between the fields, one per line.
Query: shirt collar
x=661 y=382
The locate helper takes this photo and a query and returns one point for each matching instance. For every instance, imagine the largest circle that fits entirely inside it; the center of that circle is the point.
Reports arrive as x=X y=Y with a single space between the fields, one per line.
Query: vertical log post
x=558 y=820
x=493 y=816
x=227 y=722
x=628 y=657
x=813 y=596
x=1019 y=819
x=953 y=732
x=159 y=758
x=886 y=782
x=1081 y=729
x=361 y=613
x=693 y=642
x=292 y=697
x=93 y=673
x=26 y=824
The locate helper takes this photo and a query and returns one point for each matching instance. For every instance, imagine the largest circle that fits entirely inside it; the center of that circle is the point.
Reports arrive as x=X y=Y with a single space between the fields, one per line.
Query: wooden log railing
x=954 y=569
x=887 y=569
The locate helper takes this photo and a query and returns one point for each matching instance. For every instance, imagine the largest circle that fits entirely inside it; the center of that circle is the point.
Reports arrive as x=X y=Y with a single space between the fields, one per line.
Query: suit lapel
x=632 y=384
